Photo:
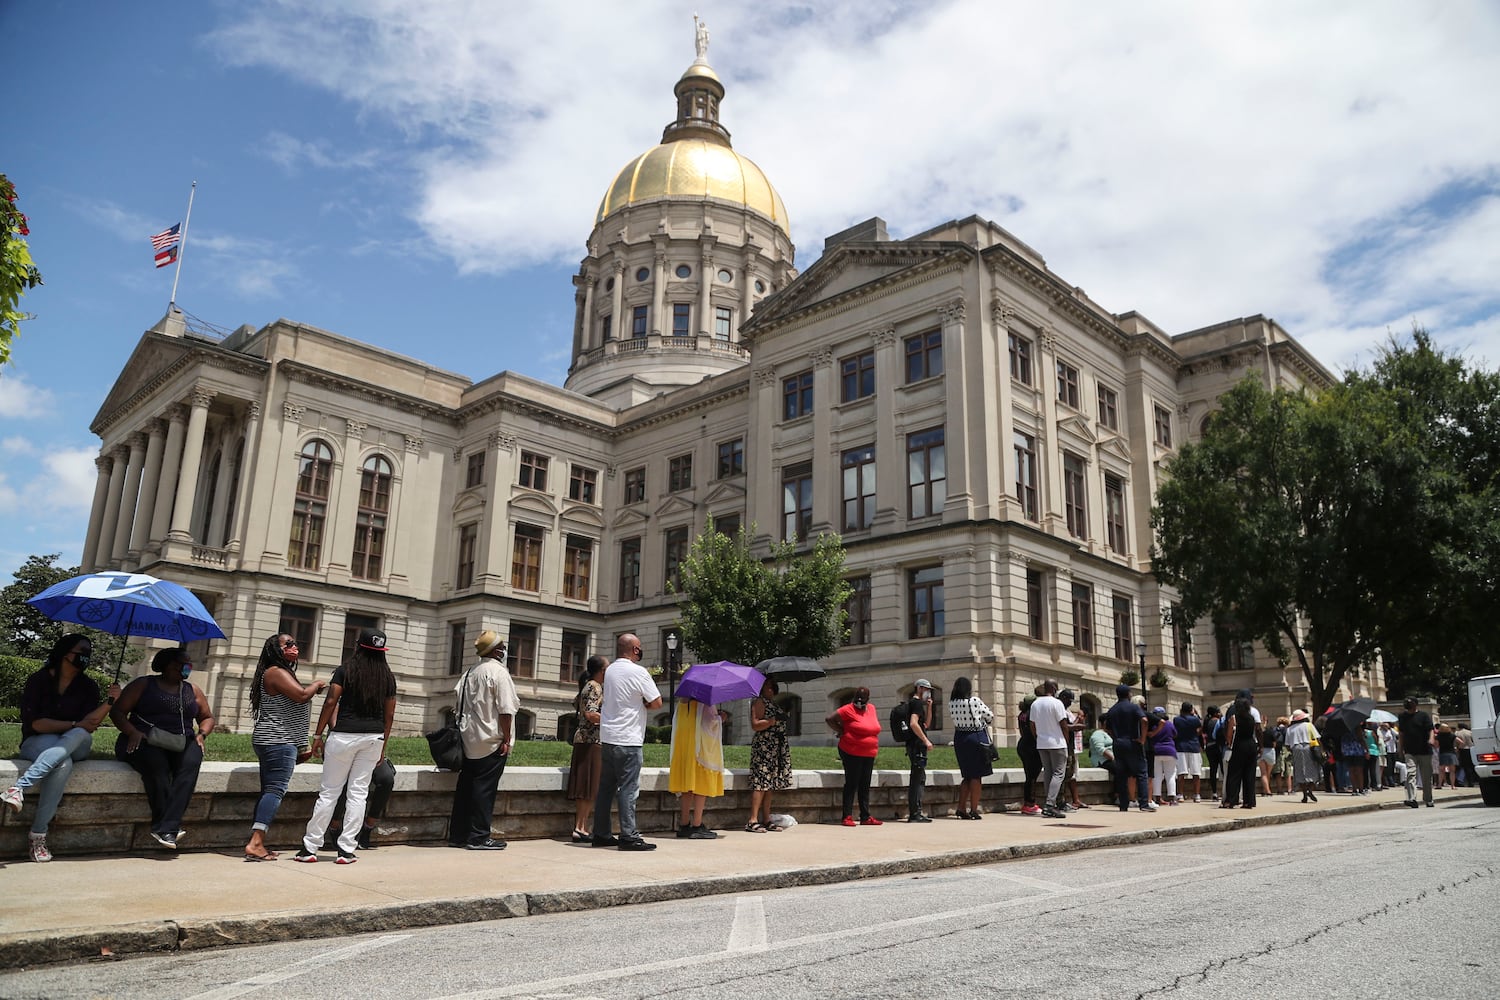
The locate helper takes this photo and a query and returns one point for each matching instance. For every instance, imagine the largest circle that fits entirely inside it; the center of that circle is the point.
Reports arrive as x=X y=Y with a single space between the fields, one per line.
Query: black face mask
x=860 y=703
x=83 y=660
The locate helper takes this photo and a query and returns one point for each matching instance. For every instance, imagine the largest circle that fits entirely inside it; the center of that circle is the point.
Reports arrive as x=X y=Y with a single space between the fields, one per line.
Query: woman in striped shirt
x=281 y=709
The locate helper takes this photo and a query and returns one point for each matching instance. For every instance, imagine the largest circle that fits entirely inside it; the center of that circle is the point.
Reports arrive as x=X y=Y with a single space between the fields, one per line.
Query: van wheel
x=1489 y=789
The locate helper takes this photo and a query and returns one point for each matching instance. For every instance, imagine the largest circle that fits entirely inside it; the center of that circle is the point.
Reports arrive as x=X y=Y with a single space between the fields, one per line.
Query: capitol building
x=985 y=438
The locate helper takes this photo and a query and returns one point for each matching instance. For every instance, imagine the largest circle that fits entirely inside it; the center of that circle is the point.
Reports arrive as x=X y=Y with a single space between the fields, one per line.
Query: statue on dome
x=700 y=40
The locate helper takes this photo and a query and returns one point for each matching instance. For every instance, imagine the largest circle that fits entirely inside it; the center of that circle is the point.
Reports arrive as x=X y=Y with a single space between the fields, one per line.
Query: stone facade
x=986 y=438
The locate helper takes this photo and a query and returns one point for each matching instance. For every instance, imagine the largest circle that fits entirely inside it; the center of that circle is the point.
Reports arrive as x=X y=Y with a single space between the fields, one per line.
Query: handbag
x=170 y=742
x=447 y=744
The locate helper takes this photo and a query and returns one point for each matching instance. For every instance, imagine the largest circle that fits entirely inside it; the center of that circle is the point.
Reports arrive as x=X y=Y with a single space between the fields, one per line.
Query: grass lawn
x=529 y=753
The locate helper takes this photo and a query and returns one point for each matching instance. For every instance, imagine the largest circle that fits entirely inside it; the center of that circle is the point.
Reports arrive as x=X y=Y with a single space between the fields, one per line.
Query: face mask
x=83 y=660
x=860 y=703
x=187 y=668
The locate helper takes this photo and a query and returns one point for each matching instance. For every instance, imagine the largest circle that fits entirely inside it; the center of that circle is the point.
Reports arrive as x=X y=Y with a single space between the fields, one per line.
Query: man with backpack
x=909 y=722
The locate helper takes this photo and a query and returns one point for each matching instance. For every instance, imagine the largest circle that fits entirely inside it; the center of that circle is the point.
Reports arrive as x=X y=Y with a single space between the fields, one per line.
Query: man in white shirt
x=1049 y=719
x=629 y=694
x=488 y=707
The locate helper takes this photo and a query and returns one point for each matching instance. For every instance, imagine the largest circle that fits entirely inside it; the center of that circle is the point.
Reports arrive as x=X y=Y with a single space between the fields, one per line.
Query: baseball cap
x=372 y=639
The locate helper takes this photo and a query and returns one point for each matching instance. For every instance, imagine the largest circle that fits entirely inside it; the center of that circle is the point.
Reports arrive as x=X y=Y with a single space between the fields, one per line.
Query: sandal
x=756 y=828
x=775 y=827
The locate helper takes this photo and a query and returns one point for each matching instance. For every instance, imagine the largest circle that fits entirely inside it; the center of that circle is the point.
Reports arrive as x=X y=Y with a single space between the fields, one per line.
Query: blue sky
x=422 y=174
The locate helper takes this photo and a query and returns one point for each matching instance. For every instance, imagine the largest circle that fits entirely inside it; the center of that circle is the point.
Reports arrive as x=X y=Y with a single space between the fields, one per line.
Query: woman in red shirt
x=858 y=726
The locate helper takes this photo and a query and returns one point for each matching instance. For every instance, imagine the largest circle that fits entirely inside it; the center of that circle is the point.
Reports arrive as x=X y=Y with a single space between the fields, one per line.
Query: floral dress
x=770 y=754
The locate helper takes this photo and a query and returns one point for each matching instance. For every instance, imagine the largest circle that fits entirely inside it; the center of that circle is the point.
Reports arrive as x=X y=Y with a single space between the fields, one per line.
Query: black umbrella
x=1350 y=717
x=784 y=669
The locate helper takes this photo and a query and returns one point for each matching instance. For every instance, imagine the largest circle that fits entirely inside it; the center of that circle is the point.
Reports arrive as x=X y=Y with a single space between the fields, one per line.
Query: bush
x=658 y=734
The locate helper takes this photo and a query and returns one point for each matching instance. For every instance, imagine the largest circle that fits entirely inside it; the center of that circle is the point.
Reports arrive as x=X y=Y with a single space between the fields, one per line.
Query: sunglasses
x=289 y=644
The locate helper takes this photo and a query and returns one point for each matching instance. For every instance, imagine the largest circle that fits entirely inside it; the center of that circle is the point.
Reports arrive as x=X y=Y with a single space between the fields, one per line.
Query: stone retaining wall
x=104 y=809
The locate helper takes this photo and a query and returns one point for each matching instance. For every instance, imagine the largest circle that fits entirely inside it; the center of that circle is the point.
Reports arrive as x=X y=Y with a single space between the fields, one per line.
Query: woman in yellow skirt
x=697 y=765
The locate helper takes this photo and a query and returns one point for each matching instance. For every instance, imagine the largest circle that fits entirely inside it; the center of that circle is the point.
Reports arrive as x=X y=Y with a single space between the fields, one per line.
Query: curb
x=28 y=950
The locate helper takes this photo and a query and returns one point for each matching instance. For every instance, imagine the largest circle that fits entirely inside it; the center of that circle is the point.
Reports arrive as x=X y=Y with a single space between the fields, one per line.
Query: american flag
x=166 y=257
x=165 y=238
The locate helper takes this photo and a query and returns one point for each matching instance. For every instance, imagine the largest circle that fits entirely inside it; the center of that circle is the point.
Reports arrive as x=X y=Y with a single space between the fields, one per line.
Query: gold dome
x=694 y=168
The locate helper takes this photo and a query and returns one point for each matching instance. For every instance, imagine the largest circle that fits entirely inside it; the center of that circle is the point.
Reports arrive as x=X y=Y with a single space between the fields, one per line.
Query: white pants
x=1189 y=765
x=1164 y=781
x=351 y=758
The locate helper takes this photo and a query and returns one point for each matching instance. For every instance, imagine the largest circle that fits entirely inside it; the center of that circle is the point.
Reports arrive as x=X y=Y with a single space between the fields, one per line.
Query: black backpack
x=901 y=722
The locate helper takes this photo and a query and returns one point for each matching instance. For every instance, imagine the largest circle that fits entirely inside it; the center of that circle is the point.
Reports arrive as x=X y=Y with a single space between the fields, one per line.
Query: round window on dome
x=642 y=274
x=760 y=286
x=683 y=271
x=726 y=275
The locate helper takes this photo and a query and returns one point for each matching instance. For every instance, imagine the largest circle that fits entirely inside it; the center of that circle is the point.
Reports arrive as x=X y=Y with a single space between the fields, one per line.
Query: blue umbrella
x=129 y=604
x=715 y=683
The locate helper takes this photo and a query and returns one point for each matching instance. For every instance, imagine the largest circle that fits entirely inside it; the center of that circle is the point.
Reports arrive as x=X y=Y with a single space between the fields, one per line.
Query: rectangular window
x=1073 y=496
x=1020 y=359
x=468 y=546
x=578 y=562
x=727 y=524
x=1083 y=617
x=925 y=602
x=1067 y=385
x=533 y=470
x=1234 y=653
x=1182 y=641
x=677 y=550
x=926 y=473
x=680 y=473
x=859 y=487
x=575 y=655
x=1026 y=495
x=1163 y=426
x=857 y=377
x=858 y=609
x=796 y=502
x=475 y=475
x=520 y=650
x=526 y=559
x=606 y=329
x=924 y=356
x=1109 y=408
x=299 y=621
x=630 y=569
x=1114 y=513
x=723 y=322
x=457 y=649
x=682 y=315
x=1122 y=617
x=368 y=555
x=583 y=485
x=635 y=485
x=731 y=458
x=1036 y=605
x=797 y=396
x=638 y=323
x=353 y=625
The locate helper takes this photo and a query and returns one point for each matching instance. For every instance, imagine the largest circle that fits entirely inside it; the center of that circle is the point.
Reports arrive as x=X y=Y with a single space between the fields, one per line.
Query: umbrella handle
x=120 y=662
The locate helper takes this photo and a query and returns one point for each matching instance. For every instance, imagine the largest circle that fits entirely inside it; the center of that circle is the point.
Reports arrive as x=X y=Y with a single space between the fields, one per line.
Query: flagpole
x=182 y=247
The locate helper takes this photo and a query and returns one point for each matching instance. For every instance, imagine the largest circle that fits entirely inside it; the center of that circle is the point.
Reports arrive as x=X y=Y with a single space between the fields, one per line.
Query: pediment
x=726 y=491
x=630 y=518
x=845 y=269
x=467 y=502
x=675 y=505
x=1077 y=425
x=1116 y=446
x=583 y=514
x=154 y=359
x=532 y=502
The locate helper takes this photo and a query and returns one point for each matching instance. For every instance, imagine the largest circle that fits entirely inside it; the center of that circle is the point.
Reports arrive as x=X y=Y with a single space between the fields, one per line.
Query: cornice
x=212 y=357
x=1061 y=296
x=297 y=372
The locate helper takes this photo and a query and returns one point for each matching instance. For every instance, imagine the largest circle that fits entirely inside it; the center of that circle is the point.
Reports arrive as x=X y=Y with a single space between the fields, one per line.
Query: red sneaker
x=870 y=821
x=1031 y=810
x=849 y=821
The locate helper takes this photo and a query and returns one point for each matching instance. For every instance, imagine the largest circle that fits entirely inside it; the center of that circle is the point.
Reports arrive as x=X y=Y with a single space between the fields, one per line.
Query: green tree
x=26 y=632
x=741 y=608
x=17 y=272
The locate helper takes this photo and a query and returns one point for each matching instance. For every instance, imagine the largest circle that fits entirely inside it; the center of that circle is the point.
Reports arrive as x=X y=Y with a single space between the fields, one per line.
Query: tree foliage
x=743 y=609
x=17 y=272
x=26 y=632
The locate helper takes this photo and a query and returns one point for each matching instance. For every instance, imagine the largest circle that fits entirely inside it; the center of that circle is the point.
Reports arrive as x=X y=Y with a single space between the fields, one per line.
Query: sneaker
x=344 y=858
x=1149 y=806
x=305 y=856
x=38 y=845
x=609 y=841
x=1195 y=798
x=487 y=844
x=849 y=820
x=701 y=832
x=1031 y=809
x=1051 y=812
x=1428 y=804
x=167 y=840
x=684 y=832
x=872 y=821
x=636 y=845
x=1412 y=803
x=1069 y=807
x=918 y=818
x=362 y=839
x=13 y=797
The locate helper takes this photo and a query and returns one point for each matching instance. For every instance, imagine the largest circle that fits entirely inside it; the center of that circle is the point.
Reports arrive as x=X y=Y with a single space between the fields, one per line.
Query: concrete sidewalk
x=83 y=907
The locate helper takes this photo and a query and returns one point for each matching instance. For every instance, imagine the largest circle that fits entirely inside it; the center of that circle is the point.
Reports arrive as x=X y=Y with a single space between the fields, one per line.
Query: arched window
x=525 y=725
x=567 y=725
x=304 y=548
x=792 y=706
x=369 y=524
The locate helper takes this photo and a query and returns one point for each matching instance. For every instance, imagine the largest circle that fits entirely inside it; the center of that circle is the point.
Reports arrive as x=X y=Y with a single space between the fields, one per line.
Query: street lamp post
x=672 y=640
x=1140 y=652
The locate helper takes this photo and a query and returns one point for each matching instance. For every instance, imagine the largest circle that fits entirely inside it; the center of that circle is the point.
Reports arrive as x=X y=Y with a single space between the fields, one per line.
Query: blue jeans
x=619 y=783
x=276 y=763
x=52 y=756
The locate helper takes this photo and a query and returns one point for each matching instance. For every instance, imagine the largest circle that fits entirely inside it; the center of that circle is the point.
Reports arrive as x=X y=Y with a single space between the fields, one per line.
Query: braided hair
x=368 y=681
x=271 y=655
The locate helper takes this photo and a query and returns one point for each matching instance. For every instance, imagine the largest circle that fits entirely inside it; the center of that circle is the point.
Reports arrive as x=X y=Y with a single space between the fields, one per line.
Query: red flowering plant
x=17 y=272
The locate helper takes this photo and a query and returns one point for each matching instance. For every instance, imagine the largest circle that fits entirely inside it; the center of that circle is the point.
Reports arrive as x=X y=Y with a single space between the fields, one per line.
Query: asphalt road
x=1398 y=904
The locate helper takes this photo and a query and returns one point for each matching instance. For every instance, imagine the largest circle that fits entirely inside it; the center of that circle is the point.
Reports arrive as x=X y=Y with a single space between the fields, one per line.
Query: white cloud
x=290 y=153
x=16 y=445
x=1193 y=161
x=20 y=400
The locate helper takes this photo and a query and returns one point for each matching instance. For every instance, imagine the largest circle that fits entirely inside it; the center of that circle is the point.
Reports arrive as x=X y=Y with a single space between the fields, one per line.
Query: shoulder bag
x=447 y=743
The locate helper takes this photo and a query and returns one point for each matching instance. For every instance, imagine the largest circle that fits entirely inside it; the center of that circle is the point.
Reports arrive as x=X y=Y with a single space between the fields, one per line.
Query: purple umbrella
x=713 y=683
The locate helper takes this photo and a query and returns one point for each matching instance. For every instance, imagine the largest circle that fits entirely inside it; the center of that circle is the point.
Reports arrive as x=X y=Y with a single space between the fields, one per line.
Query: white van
x=1484 y=721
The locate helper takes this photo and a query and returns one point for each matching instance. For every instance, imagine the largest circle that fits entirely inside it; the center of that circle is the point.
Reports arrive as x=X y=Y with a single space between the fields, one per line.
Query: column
x=1049 y=455
x=128 y=497
x=659 y=289
x=890 y=447
x=140 y=534
x=96 y=513
x=218 y=528
x=241 y=523
x=763 y=504
x=705 y=290
x=171 y=462
x=616 y=304
x=827 y=476
x=192 y=460
x=956 y=443
x=343 y=505
x=494 y=529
